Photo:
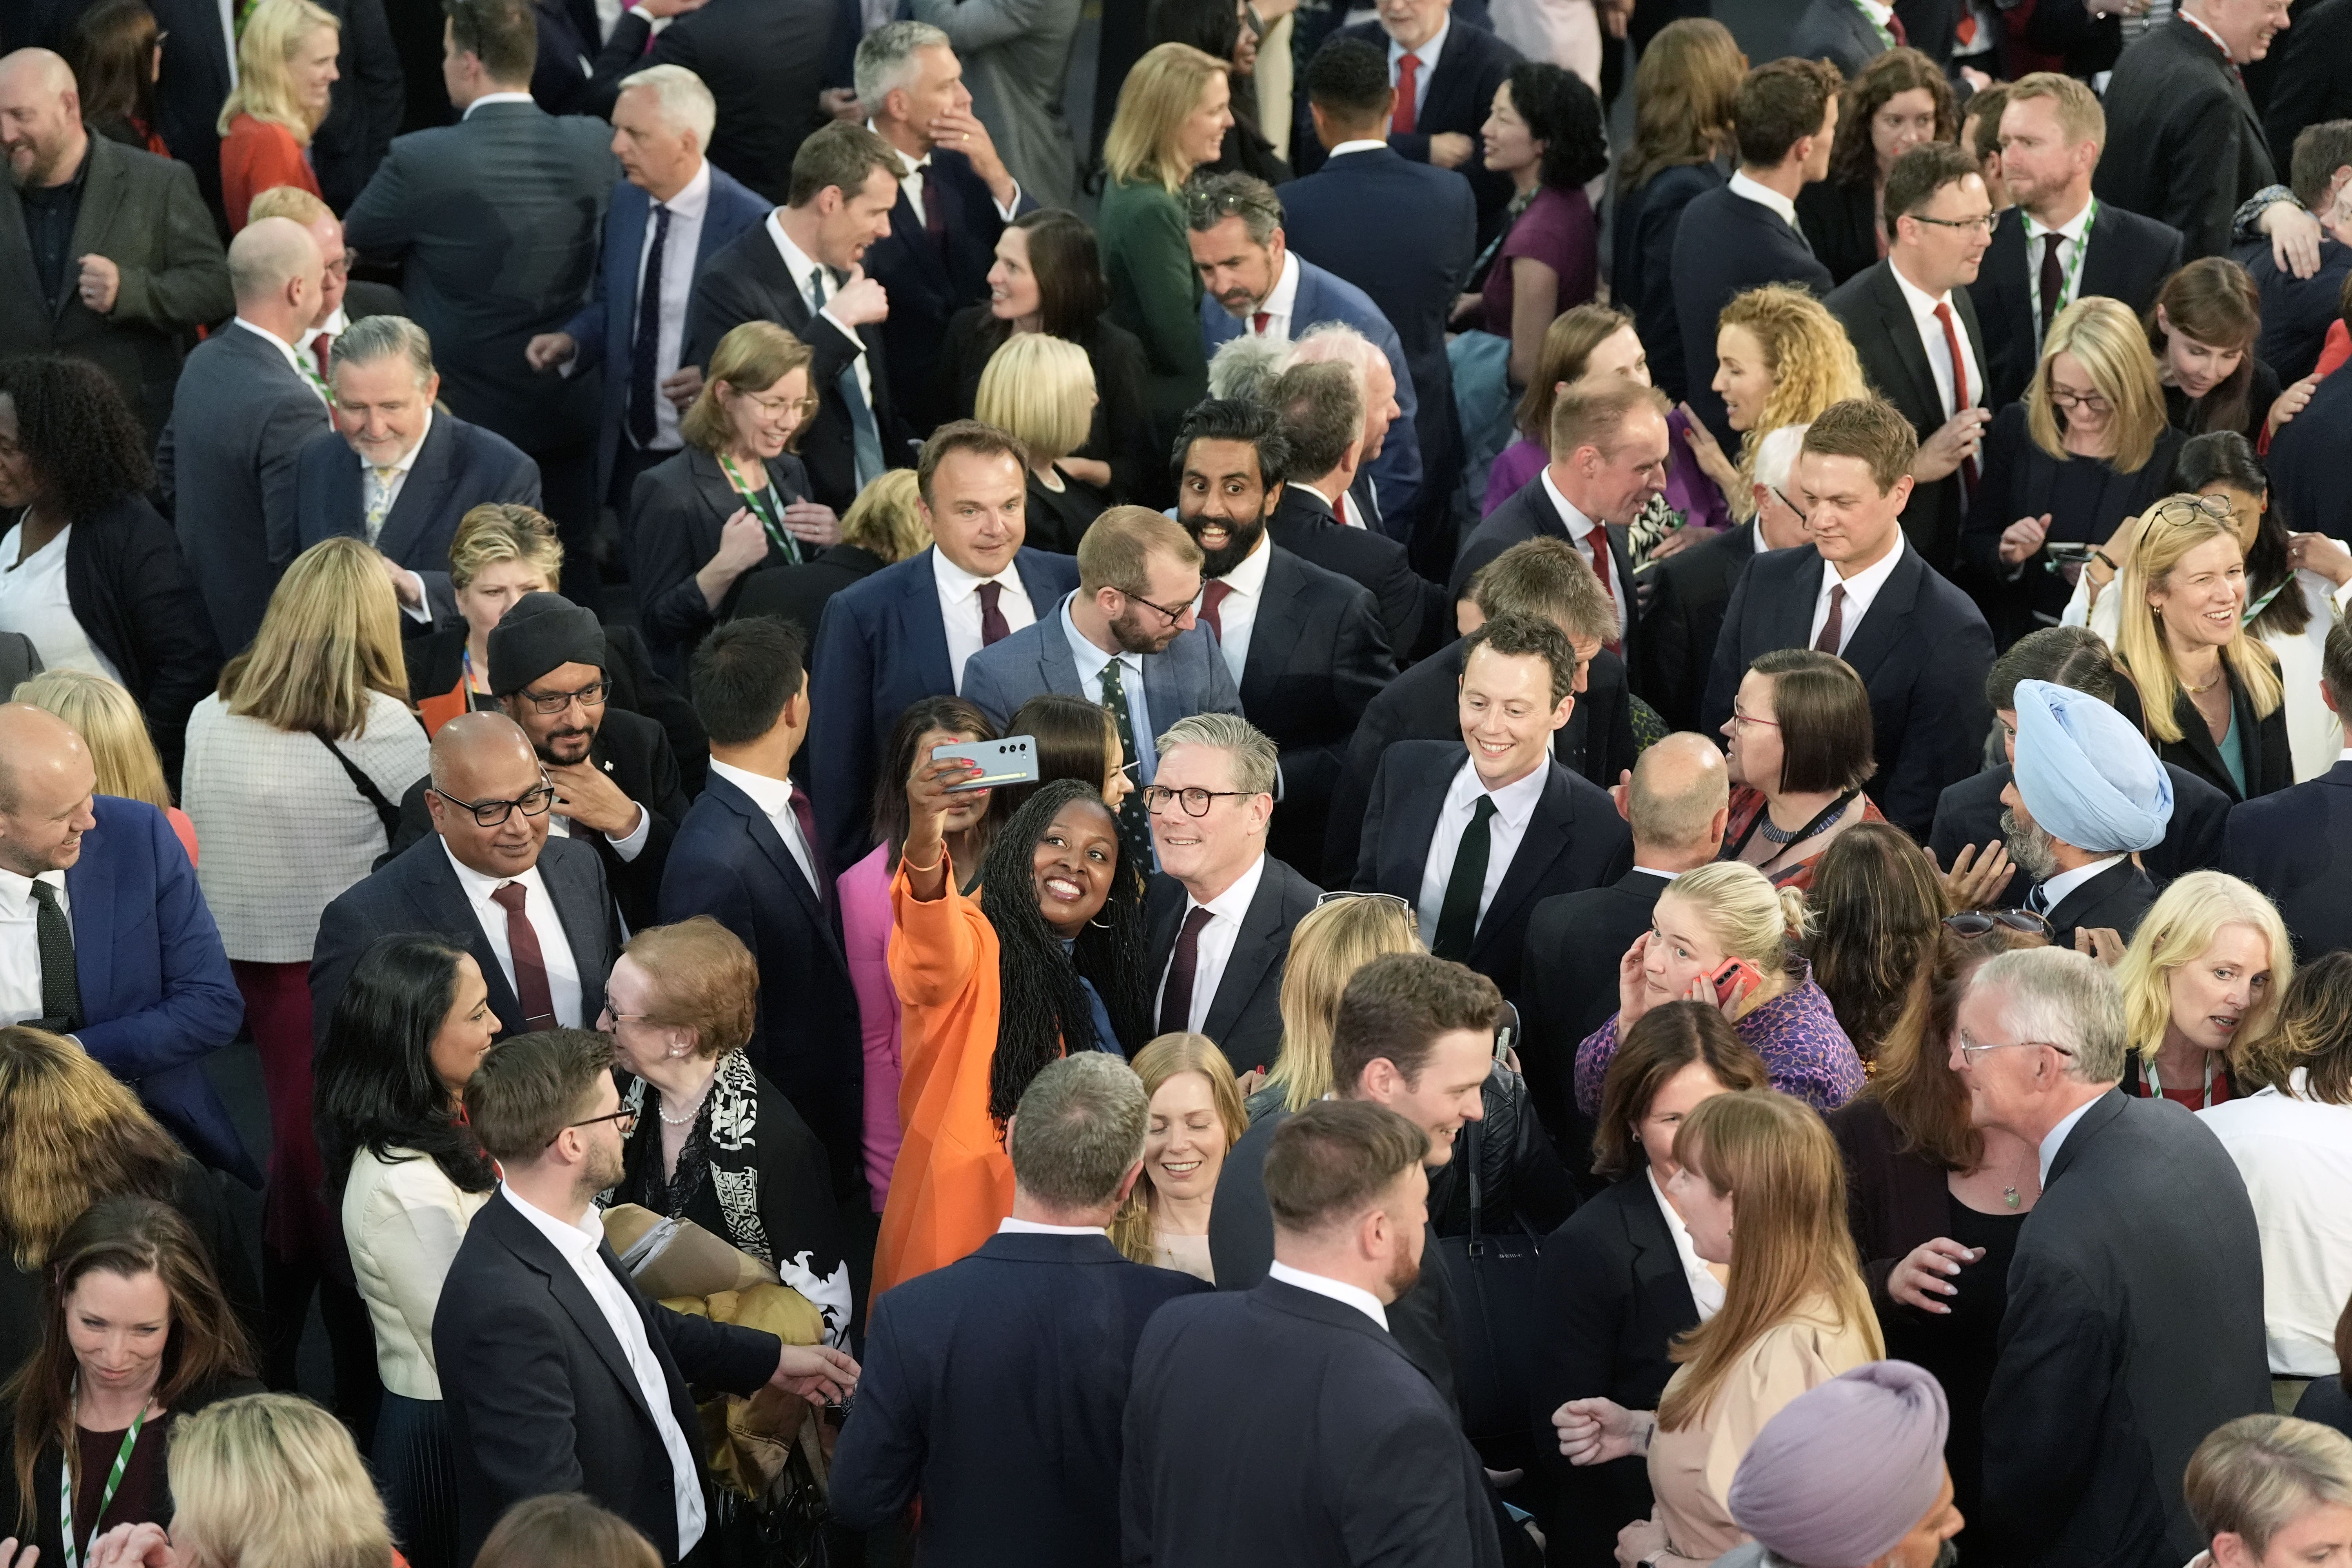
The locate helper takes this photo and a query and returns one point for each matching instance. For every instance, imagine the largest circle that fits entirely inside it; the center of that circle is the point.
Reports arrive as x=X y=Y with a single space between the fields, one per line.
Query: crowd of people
x=763 y=803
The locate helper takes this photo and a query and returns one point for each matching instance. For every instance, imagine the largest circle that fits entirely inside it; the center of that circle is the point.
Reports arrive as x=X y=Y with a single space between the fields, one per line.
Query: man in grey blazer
x=1016 y=60
x=496 y=220
x=106 y=253
x=1837 y=31
x=246 y=407
x=1126 y=638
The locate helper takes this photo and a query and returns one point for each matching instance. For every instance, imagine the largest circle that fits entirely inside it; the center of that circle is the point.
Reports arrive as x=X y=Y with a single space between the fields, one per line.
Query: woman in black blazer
x=1900 y=100
x=734 y=499
x=1619 y=1278
x=73 y=460
x=885 y=525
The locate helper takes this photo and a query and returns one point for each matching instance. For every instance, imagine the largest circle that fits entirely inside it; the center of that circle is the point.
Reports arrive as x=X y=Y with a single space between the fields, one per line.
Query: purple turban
x=1845 y=1470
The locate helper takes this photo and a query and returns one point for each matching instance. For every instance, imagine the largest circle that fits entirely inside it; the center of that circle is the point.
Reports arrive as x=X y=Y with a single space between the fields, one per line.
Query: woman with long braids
x=1046 y=957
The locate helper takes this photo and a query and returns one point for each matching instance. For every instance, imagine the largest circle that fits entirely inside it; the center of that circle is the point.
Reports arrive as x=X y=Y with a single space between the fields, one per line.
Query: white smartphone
x=1013 y=760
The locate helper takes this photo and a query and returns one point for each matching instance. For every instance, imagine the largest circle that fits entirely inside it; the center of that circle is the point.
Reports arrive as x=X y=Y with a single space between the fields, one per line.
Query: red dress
x=258 y=155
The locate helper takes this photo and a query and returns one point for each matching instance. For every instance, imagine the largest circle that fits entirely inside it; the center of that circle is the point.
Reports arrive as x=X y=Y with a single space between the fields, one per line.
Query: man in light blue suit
x=661 y=125
x=1252 y=282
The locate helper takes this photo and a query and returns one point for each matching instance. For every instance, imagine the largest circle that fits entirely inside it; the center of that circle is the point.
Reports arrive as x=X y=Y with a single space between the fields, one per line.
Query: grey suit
x=1016 y=60
x=1836 y=31
x=142 y=213
x=19 y=662
x=1190 y=676
x=226 y=464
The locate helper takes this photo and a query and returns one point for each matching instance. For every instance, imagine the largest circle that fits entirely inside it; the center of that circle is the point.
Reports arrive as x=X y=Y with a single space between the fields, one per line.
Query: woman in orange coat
x=1048 y=955
x=284 y=72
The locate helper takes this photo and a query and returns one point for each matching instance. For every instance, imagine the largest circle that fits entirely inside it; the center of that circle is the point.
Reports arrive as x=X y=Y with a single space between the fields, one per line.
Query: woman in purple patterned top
x=1723 y=933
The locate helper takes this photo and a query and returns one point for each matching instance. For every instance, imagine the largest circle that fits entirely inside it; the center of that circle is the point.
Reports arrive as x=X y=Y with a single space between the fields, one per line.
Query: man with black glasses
x=532 y=909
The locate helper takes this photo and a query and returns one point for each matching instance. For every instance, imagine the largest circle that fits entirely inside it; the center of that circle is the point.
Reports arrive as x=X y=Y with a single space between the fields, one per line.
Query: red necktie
x=1408 y=71
x=992 y=629
x=319 y=347
x=1176 y=996
x=1258 y=321
x=530 y=963
x=935 y=218
x=1833 y=630
x=1960 y=386
x=1598 y=541
x=804 y=815
x=1895 y=25
x=1212 y=596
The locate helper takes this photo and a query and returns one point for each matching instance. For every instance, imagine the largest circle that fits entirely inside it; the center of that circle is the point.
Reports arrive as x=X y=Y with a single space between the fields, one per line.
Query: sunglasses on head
x=1979 y=922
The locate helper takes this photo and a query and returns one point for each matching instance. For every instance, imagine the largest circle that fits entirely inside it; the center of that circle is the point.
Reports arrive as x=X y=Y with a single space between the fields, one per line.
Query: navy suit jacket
x=1530 y=514
x=2296 y=845
x=1324 y=297
x=458 y=467
x=929 y=283
x=728 y=862
x=993 y=1389
x=2306 y=461
x=1836 y=31
x=1245 y=1016
x=1725 y=245
x=2129 y=259
x=605 y=328
x=2297 y=312
x=880 y=649
x=157 y=996
x=1575 y=840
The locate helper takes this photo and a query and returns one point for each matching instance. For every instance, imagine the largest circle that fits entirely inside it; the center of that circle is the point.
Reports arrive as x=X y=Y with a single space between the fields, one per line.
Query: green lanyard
x=2072 y=277
x=762 y=503
x=106 y=1496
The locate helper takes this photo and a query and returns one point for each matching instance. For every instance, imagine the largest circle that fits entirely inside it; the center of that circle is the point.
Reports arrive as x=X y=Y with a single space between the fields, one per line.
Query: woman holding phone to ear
x=1725 y=935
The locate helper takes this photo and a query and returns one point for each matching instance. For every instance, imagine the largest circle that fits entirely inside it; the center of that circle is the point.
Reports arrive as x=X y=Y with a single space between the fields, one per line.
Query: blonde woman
x=1173 y=110
x=293 y=767
x=2201 y=982
x=2088 y=448
x=1761 y=1187
x=883 y=526
x=1341 y=935
x=2210 y=693
x=1725 y=935
x=1781 y=359
x=107 y=720
x=1040 y=390
x=1195 y=1120
x=501 y=550
x=285 y=76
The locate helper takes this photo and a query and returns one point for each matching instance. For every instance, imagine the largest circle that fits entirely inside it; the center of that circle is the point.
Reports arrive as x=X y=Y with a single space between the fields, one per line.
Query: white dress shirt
x=227 y=9
x=554 y=946
x=2053 y=891
x=489 y=97
x=579 y=1244
x=1214 y=945
x=1878 y=12
x=2072 y=234
x=1090 y=661
x=680 y=248
x=1861 y=589
x=2295 y=1154
x=33 y=601
x=1008 y=1226
x=960 y=612
x=804 y=270
x=308 y=371
x=333 y=327
x=1589 y=536
x=1428 y=54
x=1237 y=615
x=1939 y=353
x=1515 y=805
x=1707 y=1290
x=20 y=942
x=1280 y=303
x=627 y=846
x=1355 y=1296
x=774 y=796
x=2055 y=1139
x=1766 y=196
x=1361 y=144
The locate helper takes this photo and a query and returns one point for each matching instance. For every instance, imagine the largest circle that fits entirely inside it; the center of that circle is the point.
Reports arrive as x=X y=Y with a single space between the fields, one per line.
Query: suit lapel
x=1044 y=598
x=1253 y=954
x=1888 y=615
x=585 y=919
x=1902 y=331
x=1275 y=631
x=421 y=493
x=1404 y=849
x=1057 y=666
x=772 y=844
x=1792 y=613
x=445 y=909
x=89 y=888
x=2199 y=740
x=1550 y=828
x=921 y=630
x=570 y=1292
x=907 y=229
x=101 y=194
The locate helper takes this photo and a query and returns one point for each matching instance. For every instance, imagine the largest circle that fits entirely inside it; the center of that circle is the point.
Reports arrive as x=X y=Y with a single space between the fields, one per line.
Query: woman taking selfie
x=1195 y=1120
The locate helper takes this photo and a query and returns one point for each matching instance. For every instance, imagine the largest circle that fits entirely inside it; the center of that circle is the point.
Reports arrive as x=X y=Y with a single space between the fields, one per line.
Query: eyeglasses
x=627 y=1118
x=590 y=696
x=1174 y=616
x=1987 y=223
x=2182 y=511
x=1195 y=800
x=1980 y=922
x=2088 y=402
x=1781 y=496
x=1970 y=1049
x=799 y=407
x=1744 y=720
x=494 y=813
x=1399 y=900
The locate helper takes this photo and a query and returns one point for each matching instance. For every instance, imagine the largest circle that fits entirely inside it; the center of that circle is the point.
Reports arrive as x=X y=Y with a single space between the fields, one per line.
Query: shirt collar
x=285 y=349
x=1234 y=901
x=958 y=584
x=1654 y=871
x=1090 y=659
x=1249 y=576
x=2064 y=882
x=1514 y=802
x=1011 y=1226
x=2055 y=1139
x=2072 y=229
x=2211 y=36
x=1577 y=524
x=408 y=458
x=796 y=261
x=334 y=326
x=773 y=796
x=578 y=1243
x=479 y=888
x=1361 y=144
x=489 y=97
x=908 y=163
x=16 y=892
x=1765 y=197
x=1355 y=1296
x=1865 y=583
x=1429 y=51
x=1284 y=299
x=693 y=197
x=1923 y=304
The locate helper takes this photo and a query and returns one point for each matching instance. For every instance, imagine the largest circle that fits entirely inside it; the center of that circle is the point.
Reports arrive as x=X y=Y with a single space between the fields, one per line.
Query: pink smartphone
x=1735 y=979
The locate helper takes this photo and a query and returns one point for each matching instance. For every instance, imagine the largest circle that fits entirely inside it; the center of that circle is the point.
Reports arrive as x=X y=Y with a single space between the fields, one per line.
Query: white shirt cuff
x=631 y=843
x=1009 y=210
x=847 y=330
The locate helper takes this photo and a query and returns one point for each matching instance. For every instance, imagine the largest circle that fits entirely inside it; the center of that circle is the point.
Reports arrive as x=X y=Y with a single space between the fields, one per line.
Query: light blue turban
x=1846 y=1470
x=2087 y=774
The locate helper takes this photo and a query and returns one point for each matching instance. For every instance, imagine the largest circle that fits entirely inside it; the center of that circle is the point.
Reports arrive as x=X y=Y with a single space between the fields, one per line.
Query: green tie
x=1134 y=822
x=1457 y=918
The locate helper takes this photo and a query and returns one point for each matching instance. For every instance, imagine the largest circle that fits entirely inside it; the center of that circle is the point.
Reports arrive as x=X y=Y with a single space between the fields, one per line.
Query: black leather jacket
x=1522 y=1186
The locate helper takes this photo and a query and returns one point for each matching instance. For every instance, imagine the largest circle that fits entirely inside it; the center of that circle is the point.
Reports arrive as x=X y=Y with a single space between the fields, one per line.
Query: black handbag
x=385 y=812
x=1496 y=1310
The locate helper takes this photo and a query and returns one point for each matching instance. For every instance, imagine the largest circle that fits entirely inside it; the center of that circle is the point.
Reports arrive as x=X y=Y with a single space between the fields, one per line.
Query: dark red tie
x=1258 y=321
x=2054 y=281
x=807 y=817
x=935 y=217
x=1895 y=26
x=1408 y=76
x=1212 y=596
x=530 y=963
x=1599 y=539
x=322 y=347
x=1960 y=387
x=1176 y=997
x=992 y=629
x=1833 y=630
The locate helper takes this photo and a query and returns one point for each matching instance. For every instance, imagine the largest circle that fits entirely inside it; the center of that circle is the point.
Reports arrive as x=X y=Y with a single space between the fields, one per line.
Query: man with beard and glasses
x=616 y=778
x=2087 y=796
x=1304 y=645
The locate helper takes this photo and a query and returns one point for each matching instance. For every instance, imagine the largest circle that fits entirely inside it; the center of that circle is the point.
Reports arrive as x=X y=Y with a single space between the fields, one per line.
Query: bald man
x=105 y=938
x=533 y=910
x=106 y=252
x=248 y=401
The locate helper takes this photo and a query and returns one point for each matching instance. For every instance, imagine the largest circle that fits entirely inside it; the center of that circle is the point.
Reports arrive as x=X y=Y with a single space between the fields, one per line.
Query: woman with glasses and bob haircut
x=1801 y=750
x=2201 y=982
x=2088 y=448
x=308 y=742
x=2270 y=1490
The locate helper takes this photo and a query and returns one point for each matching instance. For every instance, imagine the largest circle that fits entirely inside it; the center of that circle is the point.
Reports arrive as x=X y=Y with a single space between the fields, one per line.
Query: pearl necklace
x=691 y=1111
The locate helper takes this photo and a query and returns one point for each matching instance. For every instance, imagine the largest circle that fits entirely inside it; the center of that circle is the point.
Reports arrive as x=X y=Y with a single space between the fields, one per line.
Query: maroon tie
x=1176 y=997
x=1895 y=27
x=1959 y=388
x=1598 y=541
x=1833 y=630
x=992 y=629
x=1401 y=120
x=530 y=963
x=322 y=347
x=935 y=217
x=1258 y=321
x=1212 y=596
x=807 y=817
x=2053 y=280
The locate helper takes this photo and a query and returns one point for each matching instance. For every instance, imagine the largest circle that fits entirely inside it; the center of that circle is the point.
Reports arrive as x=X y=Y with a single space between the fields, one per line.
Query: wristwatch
x=1652 y=1559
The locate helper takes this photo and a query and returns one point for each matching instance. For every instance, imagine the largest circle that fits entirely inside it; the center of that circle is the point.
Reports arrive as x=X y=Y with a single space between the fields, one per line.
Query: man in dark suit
x=1746 y=234
x=245 y=409
x=2056 y=246
x=2288 y=843
x=1842 y=33
x=907 y=631
x=395 y=472
x=672 y=212
x=494 y=220
x=366 y=103
x=1676 y=804
x=141 y=981
x=1445 y=69
x=1413 y=270
x=800 y=269
x=2306 y=461
x=747 y=856
x=1915 y=332
x=2310 y=84
x=2134 y=1319
x=1862 y=592
x=564 y=1378
x=1475 y=842
x=1335 y=1446
x=2087 y=794
x=2297 y=311
x=1221 y=909
x=106 y=252
x=979 y=1374
x=2184 y=142
x=1304 y=646
x=955 y=197
x=532 y=909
